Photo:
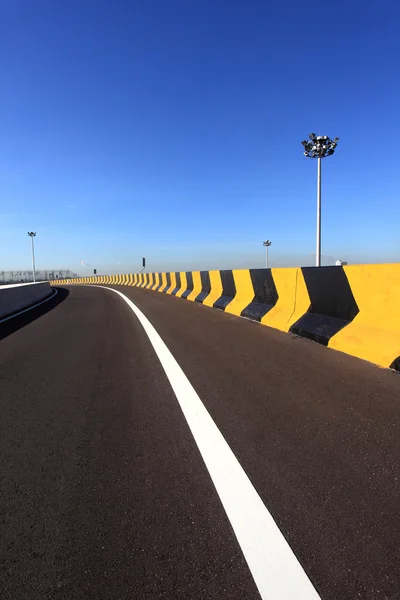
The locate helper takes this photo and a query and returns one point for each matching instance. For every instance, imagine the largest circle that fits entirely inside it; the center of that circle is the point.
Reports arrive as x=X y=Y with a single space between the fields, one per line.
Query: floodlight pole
x=319 y=147
x=267 y=244
x=32 y=234
x=318 y=250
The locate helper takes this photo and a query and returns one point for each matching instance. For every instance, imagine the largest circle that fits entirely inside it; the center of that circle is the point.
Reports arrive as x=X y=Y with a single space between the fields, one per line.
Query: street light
x=319 y=146
x=267 y=244
x=32 y=234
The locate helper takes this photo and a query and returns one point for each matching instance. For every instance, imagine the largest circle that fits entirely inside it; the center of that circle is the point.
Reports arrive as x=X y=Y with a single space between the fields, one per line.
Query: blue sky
x=171 y=129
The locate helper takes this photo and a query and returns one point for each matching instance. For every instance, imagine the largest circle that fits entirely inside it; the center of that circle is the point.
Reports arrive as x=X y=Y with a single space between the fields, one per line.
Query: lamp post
x=267 y=244
x=319 y=146
x=32 y=234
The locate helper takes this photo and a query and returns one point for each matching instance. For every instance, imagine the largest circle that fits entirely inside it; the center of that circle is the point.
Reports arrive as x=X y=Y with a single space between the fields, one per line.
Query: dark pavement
x=104 y=493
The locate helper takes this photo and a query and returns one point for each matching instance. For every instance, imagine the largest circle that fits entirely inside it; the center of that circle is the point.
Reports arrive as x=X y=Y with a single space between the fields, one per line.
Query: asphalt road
x=104 y=493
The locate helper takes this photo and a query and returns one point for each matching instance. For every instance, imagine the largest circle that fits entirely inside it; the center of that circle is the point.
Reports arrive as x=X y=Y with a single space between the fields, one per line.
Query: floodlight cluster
x=319 y=146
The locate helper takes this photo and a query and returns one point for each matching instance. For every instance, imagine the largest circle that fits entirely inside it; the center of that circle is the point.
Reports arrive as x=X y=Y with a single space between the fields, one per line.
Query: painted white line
x=29 y=308
x=15 y=285
x=275 y=568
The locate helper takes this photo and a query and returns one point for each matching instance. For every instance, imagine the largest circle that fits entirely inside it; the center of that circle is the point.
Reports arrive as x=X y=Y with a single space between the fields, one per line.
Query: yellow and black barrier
x=354 y=309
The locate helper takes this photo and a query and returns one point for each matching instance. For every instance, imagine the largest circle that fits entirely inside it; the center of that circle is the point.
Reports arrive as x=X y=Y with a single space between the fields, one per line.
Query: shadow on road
x=15 y=323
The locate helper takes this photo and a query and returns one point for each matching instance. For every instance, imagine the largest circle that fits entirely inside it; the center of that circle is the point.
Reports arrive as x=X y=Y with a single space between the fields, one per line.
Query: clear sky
x=171 y=129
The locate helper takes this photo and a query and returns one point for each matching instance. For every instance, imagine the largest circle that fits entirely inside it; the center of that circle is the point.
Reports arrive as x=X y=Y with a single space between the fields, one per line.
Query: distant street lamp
x=32 y=234
x=319 y=146
x=267 y=244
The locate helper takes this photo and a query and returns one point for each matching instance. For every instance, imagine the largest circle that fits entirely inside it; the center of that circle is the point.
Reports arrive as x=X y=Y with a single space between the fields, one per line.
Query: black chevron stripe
x=265 y=294
x=228 y=290
x=332 y=304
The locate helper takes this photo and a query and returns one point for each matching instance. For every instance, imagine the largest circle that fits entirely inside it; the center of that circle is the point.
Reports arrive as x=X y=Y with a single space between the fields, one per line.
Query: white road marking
x=29 y=308
x=273 y=565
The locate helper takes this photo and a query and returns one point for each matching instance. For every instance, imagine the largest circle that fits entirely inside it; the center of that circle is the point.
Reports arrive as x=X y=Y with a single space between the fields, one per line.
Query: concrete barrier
x=183 y=284
x=374 y=332
x=178 y=285
x=173 y=283
x=215 y=288
x=228 y=290
x=265 y=294
x=293 y=299
x=167 y=285
x=189 y=285
x=332 y=304
x=14 y=298
x=196 y=286
x=354 y=309
x=205 y=287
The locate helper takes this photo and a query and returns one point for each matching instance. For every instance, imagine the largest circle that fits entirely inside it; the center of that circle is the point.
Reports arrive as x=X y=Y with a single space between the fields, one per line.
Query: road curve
x=104 y=493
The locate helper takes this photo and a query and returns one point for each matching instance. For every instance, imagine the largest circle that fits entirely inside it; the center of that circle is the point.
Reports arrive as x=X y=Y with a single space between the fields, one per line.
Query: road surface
x=105 y=494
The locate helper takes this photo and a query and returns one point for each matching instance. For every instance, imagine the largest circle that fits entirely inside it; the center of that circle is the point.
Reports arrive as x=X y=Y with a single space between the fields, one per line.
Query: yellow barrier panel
x=196 y=286
x=374 y=333
x=150 y=282
x=244 y=292
x=163 y=281
x=156 y=281
x=216 y=288
x=293 y=299
x=173 y=282
x=183 y=284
